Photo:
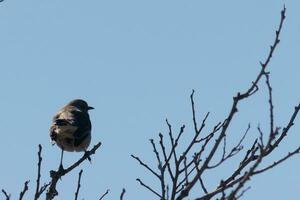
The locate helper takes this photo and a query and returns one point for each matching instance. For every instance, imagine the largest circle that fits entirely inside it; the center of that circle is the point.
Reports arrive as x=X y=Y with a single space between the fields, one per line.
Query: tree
x=181 y=166
x=180 y=170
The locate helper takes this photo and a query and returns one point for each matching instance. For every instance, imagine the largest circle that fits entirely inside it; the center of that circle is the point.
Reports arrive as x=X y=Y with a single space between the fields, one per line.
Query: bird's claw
x=88 y=156
x=61 y=168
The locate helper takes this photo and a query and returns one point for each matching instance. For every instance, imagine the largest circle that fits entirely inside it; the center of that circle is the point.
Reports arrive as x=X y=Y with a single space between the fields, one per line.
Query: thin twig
x=195 y=138
x=37 y=190
x=148 y=187
x=78 y=184
x=200 y=179
x=24 y=190
x=7 y=196
x=261 y=135
x=43 y=189
x=202 y=185
x=167 y=159
x=102 y=197
x=186 y=172
x=270 y=104
x=122 y=194
x=161 y=169
x=235 y=150
x=243 y=192
x=145 y=165
x=156 y=154
x=286 y=129
x=246 y=177
x=290 y=154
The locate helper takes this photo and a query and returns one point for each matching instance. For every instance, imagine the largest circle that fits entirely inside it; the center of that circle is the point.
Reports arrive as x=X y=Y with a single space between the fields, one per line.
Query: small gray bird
x=71 y=127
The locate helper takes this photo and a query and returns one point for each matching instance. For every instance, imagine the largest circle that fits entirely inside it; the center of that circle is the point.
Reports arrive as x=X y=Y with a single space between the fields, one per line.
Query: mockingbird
x=71 y=127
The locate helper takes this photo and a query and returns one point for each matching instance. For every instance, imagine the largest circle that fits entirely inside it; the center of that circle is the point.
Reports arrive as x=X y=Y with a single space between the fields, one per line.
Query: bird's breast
x=66 y=130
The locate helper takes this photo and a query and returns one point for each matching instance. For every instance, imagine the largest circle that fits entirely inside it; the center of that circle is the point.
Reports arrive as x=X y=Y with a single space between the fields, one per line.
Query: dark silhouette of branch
x=38 y=190
x=202 y=185
x=240 y=96
x=161 y=169
x=242 y=193
x=78 y=184
x=145 y=165
x=290 y=154
x=56 y=175
x=7 y=196
x=246 y=177
x=102 y=197
x=235 y=150
x=148 y=187
x=22 y=193
x=270 y=103
x=122 y=194
x=180 y=170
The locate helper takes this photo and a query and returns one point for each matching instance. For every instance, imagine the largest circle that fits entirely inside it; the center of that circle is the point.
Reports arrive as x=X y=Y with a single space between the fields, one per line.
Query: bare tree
x=179 y=170
x=181 y=165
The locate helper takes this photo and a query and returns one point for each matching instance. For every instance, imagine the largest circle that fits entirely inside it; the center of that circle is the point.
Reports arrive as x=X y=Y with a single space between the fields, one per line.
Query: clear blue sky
x=137 y=62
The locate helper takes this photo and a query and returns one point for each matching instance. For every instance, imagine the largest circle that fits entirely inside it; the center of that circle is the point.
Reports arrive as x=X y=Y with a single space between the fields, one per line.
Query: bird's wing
x=72 y=117
x=82 y=121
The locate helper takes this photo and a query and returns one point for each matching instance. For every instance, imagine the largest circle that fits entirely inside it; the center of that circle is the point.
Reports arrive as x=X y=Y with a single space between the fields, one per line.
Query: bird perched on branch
x=71 y=127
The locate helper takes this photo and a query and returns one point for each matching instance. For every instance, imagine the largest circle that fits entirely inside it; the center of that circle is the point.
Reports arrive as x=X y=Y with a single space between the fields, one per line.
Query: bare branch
x=240 y=96
x=78 y=184
x=145 y=165
x=197 y=155
x=290 y=154
x=221 y=188
x=174 y=144
x=261 y=135
x=37 y=190
x=287 y=128
x=156 y=154
x=122 y=194
x=22 y=193
x=200 y=179
x=56 y=175
x=43 y=188
x=243 y=138
x=167 y=159
x=185 y=171
x=168 y=197
x=194 y=113
x=245 y=178
x=107 y=191
x=160 y=167
x=149 y=188
x=243 y=192
x=270 y=104
x=7 y=196
x=203 y=186
x=235 y=150
x=195 y=138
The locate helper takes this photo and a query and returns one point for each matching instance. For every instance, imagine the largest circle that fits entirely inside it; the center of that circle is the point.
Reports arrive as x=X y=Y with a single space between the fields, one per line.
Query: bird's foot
x=86 y=153
x=60 y=168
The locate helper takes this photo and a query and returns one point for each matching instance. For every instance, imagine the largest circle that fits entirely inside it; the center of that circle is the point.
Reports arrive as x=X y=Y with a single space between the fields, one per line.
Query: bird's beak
x=90 y=108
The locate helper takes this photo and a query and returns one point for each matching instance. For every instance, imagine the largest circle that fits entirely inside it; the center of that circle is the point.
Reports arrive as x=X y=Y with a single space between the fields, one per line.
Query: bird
x=71 y=127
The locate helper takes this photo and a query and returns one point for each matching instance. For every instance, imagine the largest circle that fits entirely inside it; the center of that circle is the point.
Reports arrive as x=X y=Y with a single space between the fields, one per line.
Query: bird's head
x=80 y=104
